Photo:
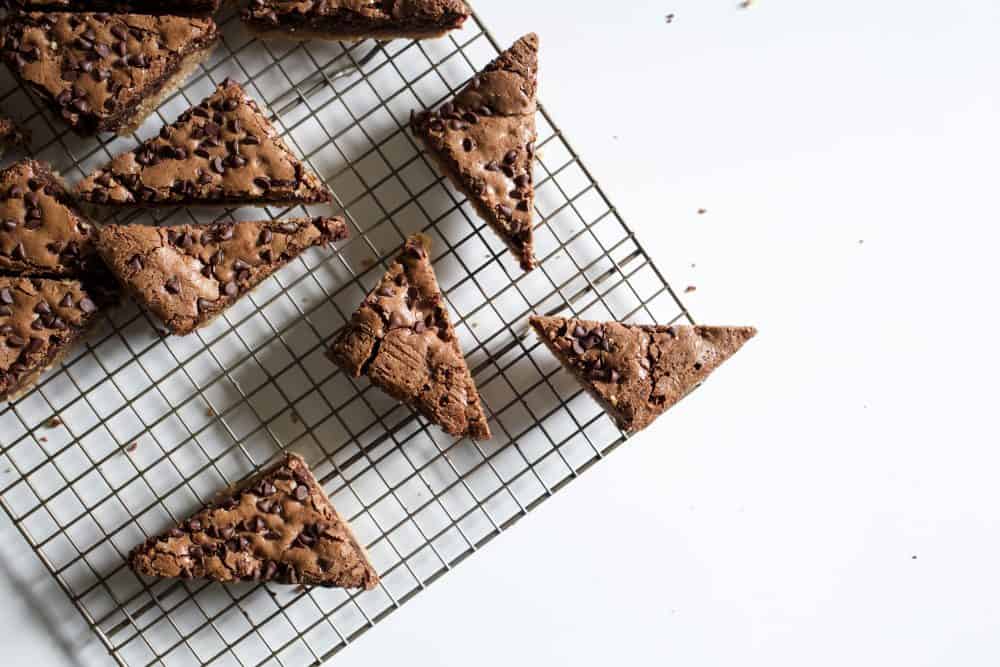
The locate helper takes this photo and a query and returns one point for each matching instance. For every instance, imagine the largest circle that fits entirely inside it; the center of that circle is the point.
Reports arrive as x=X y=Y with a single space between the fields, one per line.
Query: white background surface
x=831 y=496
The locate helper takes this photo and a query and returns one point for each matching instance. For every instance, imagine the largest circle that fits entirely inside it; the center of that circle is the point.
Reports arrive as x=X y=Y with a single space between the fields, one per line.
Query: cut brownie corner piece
x=637 y=372
x=278 y=526
x=13 y=136
x=42 y=231
x=40 y=320
x=339 y=20
x=402 y=339
x=187 y=275
x=484 y=142
x=222 y=152
x=103 y=72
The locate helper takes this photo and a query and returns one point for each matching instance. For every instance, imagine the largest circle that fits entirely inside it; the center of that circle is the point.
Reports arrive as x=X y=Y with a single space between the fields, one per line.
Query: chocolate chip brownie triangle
x=484 y=141
x=175 y=7
x=187 y=275
x=637 y=372
x=42 y=233
x=40 y=319
x=13 y=135
x=278 y=526
x=349 y=20
x=402 y=338
x=101 y=72
x=223 y=152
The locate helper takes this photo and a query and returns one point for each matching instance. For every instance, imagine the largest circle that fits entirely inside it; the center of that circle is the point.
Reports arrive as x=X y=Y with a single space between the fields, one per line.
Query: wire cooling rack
x=136 y=430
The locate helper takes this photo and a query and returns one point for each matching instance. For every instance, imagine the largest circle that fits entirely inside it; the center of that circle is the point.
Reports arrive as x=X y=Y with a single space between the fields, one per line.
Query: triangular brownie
x=40 y=320
x=278 y=526
x=349 y=20
x=637 y=372
x=41 y=230
x=223 y=152
x=484 y=140
x=13 y=135
x=175 y=7
x=186 y=275
x=402 y=338
x=101 y=72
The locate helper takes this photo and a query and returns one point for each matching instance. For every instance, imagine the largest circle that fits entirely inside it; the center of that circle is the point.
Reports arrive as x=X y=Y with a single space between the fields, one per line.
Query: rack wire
x=136 y=430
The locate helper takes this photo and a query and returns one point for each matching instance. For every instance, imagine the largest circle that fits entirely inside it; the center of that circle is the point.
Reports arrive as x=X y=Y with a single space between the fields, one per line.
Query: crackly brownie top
x=13 y=135
x=278 y=526
x=405 y=13
x=188 y=274
x=96 y=67
x=41 y=230
x=223 y=151
x=38 y=318
x=638 y=372
x=175 y=7
x=486 y=137
x=403 y=340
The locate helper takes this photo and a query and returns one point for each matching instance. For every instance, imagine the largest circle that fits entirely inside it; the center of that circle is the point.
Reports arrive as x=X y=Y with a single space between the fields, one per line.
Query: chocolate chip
x=468 y=144
x=173 y=285
x=265 y=236
x=231 y=289
x=135 y=264
x=87 y=306
x=6 y=297
x=194 y=525
x=65 y=302
x=301 y=492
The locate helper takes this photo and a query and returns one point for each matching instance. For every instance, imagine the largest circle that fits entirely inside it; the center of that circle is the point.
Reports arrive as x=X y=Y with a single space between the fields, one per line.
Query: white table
x=830 y=497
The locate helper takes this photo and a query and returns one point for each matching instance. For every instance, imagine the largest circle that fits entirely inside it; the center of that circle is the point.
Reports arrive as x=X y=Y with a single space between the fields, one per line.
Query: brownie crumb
x=55 y=422
x=670 y=18
x=702 y=211
x=131 y=448
x=690 y=288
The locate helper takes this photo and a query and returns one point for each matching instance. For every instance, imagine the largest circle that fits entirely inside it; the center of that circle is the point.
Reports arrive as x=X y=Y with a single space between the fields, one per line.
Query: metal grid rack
x=136 y=430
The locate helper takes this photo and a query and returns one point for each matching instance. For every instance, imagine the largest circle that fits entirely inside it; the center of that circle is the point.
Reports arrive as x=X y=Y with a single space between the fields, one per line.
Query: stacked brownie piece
x=51 y=281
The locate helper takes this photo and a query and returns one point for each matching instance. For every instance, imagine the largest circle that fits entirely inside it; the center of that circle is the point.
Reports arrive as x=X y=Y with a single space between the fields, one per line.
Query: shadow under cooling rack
x=136 y=430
